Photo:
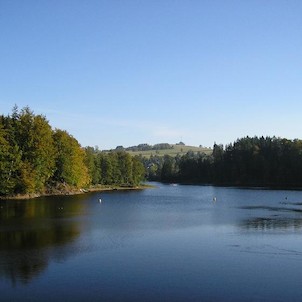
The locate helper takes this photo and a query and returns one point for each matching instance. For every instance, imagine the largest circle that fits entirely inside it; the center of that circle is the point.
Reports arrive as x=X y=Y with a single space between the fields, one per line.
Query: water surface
x=171 y=243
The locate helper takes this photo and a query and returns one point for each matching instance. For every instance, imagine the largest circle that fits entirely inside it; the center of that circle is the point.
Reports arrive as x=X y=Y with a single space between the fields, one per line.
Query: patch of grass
x=174 y=151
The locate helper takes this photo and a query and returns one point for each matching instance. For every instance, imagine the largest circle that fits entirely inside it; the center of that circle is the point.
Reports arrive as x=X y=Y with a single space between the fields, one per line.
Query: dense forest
x=35 y=159
x=255 y=161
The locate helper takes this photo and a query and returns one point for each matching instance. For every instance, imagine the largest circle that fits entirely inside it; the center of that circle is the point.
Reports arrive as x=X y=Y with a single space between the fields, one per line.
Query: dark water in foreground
x=172 y=243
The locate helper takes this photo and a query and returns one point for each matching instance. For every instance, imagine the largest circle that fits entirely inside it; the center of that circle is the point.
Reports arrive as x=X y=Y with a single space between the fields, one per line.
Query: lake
x=169 y=243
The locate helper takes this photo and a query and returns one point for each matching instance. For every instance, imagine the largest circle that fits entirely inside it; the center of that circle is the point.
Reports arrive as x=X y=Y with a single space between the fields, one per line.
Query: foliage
x=34 y=158
x=248 y=161
x=70 y=160
x=10 y=158
x=31 y=150
x=115 y=168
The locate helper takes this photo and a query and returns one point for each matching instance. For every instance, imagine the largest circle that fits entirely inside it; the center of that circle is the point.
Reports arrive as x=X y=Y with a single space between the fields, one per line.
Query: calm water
x=172 y=243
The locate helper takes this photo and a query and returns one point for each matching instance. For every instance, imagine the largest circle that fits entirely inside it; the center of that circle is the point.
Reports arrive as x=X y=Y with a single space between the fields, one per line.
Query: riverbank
x=66 y=190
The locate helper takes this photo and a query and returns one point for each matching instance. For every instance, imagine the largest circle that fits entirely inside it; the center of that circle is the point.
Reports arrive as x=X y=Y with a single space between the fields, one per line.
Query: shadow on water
x=260 y=223
x=270 y=208
x=32 y=231
x=274 y=217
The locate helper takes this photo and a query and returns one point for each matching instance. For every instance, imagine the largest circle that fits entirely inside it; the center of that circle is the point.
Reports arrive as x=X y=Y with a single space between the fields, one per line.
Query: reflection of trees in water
x=22 y=267
x=26 y=253
x=276 y=223
x=30 y=230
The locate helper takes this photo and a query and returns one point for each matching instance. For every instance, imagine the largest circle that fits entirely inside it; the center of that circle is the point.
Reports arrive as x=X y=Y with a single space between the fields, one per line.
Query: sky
x=155 y=71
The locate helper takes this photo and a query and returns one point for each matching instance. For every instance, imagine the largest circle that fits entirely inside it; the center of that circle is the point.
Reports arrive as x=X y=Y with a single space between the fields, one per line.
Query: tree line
x=34 y=158
x=249 y=161
x=145 y=147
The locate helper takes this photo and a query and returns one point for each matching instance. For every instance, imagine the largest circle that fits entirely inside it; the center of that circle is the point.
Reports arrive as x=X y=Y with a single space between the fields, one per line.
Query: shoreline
x=100 y=188
x=239 y=186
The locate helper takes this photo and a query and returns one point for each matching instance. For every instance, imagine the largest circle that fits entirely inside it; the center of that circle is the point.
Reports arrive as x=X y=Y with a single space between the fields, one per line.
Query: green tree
x=10 y=159
x=106 y=170
x=31 y=136
x=125 y=168
x=70 y=162
x=93 y=163
x=168 y=170
x=138 y=171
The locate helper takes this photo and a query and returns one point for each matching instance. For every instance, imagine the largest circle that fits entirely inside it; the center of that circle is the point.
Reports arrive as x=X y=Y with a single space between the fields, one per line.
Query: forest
x=36 y=159
x=249 y=161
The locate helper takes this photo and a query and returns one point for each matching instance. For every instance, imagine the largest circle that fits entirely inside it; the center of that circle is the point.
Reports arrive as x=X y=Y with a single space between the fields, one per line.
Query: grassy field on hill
x=174 y=151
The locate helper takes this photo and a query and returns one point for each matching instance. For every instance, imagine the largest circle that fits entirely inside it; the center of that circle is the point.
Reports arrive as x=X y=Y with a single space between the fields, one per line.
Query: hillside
x=172 y=150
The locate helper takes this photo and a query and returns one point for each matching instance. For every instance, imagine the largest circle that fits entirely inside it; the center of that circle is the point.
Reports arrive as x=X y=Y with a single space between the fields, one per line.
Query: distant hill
x=163 y=149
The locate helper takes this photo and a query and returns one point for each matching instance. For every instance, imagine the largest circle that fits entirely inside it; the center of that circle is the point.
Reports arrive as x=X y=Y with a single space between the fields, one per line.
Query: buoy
x=100 y=200
x=214 y=199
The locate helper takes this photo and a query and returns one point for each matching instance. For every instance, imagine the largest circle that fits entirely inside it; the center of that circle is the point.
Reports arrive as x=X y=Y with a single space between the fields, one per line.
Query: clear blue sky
x=128 y=72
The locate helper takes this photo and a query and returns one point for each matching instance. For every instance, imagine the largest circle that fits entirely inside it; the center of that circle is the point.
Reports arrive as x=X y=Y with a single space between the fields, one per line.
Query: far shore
x=97 y=188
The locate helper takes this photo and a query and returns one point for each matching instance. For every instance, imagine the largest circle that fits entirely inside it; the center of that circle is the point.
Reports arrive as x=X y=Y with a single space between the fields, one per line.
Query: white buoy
x=214 y=199
x=100 y=200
